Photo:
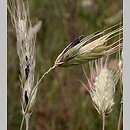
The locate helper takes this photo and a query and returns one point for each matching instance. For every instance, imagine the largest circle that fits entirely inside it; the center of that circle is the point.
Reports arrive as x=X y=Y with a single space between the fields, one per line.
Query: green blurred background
x=61 y=104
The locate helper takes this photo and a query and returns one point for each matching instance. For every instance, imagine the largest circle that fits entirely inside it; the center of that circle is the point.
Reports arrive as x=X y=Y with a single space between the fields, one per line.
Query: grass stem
x=120 y=118
x=103 y=121
x=27 y=121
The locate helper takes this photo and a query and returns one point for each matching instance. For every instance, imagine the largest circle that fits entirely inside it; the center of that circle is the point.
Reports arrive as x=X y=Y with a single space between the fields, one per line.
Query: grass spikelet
x=102 y=82
x=84 y=49
x=103 y=88
x=26 y=38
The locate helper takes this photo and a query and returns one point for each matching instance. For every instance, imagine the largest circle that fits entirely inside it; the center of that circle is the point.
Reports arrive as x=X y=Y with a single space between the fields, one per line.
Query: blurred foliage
x=61 y=102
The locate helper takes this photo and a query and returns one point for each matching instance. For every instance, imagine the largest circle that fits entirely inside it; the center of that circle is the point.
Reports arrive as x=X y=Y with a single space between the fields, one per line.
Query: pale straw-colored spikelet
x=102 y=85
x=94 y=46
x=26 y=38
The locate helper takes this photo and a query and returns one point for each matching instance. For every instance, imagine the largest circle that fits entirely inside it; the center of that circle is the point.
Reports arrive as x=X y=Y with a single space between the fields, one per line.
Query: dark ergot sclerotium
x=73 y=43
x=27 y=69
x=26 y=97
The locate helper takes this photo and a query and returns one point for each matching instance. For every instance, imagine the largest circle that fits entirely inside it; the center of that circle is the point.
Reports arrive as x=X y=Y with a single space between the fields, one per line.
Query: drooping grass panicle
x=84 y=49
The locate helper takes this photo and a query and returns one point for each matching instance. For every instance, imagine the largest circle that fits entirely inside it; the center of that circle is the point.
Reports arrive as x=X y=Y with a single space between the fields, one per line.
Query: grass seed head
x=26 y=38
x=84 y=49
x=102 y=88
